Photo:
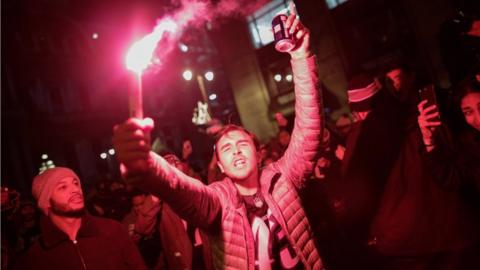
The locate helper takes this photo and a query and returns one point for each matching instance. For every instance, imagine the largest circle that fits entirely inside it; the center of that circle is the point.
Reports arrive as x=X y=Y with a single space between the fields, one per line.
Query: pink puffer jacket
x=218 y=210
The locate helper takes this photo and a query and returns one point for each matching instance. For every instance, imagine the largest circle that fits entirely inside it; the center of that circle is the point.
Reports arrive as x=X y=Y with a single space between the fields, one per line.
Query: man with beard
x=71 y=238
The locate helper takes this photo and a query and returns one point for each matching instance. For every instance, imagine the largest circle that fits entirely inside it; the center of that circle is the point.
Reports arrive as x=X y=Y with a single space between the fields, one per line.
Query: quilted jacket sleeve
x=299 y=158
x=192 y=200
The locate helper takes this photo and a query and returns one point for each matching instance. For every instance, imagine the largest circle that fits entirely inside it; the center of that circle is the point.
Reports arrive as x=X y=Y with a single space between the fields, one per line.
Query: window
x=260 y=23
x=334 y=3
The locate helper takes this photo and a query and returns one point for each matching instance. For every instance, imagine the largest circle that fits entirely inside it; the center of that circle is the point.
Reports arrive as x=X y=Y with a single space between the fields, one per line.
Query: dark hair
x=137 y=192
x=466 y=87
x=228 y=128
x=164 y=153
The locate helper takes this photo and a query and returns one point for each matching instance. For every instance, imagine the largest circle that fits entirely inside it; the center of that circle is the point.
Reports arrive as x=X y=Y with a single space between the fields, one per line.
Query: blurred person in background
x=10 y=203
x=142 y=226
x=371 y=147
x=28 y=228
x=164 y=239
x=459 y=42
x=454 y=156
x=420 y=224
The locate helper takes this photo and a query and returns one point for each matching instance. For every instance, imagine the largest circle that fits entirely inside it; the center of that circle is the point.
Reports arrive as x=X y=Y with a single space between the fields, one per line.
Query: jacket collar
x=52 y=235
x=265 y=177
x=234 y=194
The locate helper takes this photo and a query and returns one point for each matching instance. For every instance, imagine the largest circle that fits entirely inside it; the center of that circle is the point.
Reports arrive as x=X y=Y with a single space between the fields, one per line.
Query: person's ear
x=220 y=166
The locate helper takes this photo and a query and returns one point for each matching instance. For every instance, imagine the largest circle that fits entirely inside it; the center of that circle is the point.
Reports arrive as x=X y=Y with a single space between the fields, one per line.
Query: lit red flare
x=140 y=54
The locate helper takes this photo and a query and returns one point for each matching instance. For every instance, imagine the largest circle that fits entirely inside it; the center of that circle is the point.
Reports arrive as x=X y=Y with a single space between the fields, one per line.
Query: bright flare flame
x=139 y=56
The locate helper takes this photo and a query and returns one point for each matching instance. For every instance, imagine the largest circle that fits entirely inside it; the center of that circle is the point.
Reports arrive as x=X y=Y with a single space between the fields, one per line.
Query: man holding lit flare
x=253 y=218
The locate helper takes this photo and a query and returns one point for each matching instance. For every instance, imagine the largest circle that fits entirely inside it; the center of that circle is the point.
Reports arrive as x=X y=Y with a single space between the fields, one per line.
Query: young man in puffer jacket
x=252 y=219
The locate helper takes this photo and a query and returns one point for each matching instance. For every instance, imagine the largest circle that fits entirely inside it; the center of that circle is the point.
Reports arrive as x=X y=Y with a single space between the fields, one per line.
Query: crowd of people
x=393 y=185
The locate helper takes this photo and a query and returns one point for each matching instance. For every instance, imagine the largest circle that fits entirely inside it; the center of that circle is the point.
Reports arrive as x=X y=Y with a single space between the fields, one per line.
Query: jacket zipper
x=75 y=243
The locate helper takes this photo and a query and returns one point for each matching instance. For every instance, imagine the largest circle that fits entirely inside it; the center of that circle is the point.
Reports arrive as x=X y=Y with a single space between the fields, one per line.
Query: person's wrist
x=301 y=55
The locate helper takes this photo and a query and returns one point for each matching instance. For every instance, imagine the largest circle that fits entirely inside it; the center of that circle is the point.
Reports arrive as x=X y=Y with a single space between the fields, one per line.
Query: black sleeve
x=453 y=166
x=131 y=255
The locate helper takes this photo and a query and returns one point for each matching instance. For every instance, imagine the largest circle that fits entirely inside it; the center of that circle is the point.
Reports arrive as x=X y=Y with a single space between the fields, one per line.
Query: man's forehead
x=234 y=135
x=471 y=98
x=66 y=179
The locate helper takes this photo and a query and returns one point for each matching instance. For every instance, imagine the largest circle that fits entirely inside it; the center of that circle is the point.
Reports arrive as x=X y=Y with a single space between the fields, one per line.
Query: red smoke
x=196 y=12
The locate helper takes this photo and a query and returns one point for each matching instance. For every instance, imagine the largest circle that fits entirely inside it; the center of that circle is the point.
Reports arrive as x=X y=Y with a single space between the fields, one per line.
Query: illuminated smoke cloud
x=243 y=8
x=196 y=12
x=156 y=46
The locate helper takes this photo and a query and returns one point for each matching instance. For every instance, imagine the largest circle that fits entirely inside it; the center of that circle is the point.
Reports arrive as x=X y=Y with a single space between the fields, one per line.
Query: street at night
x=249 y=134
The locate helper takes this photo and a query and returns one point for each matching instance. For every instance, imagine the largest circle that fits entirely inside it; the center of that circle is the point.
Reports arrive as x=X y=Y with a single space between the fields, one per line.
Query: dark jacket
x=371 y=148
x=101 y=244
x=416 y=215
x=176 y=244
x=455 y=165
x=218 y=210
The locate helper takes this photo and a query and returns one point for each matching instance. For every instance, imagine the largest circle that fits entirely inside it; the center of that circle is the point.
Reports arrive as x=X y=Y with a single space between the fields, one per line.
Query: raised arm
x=188 y=197
x=299 y=158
